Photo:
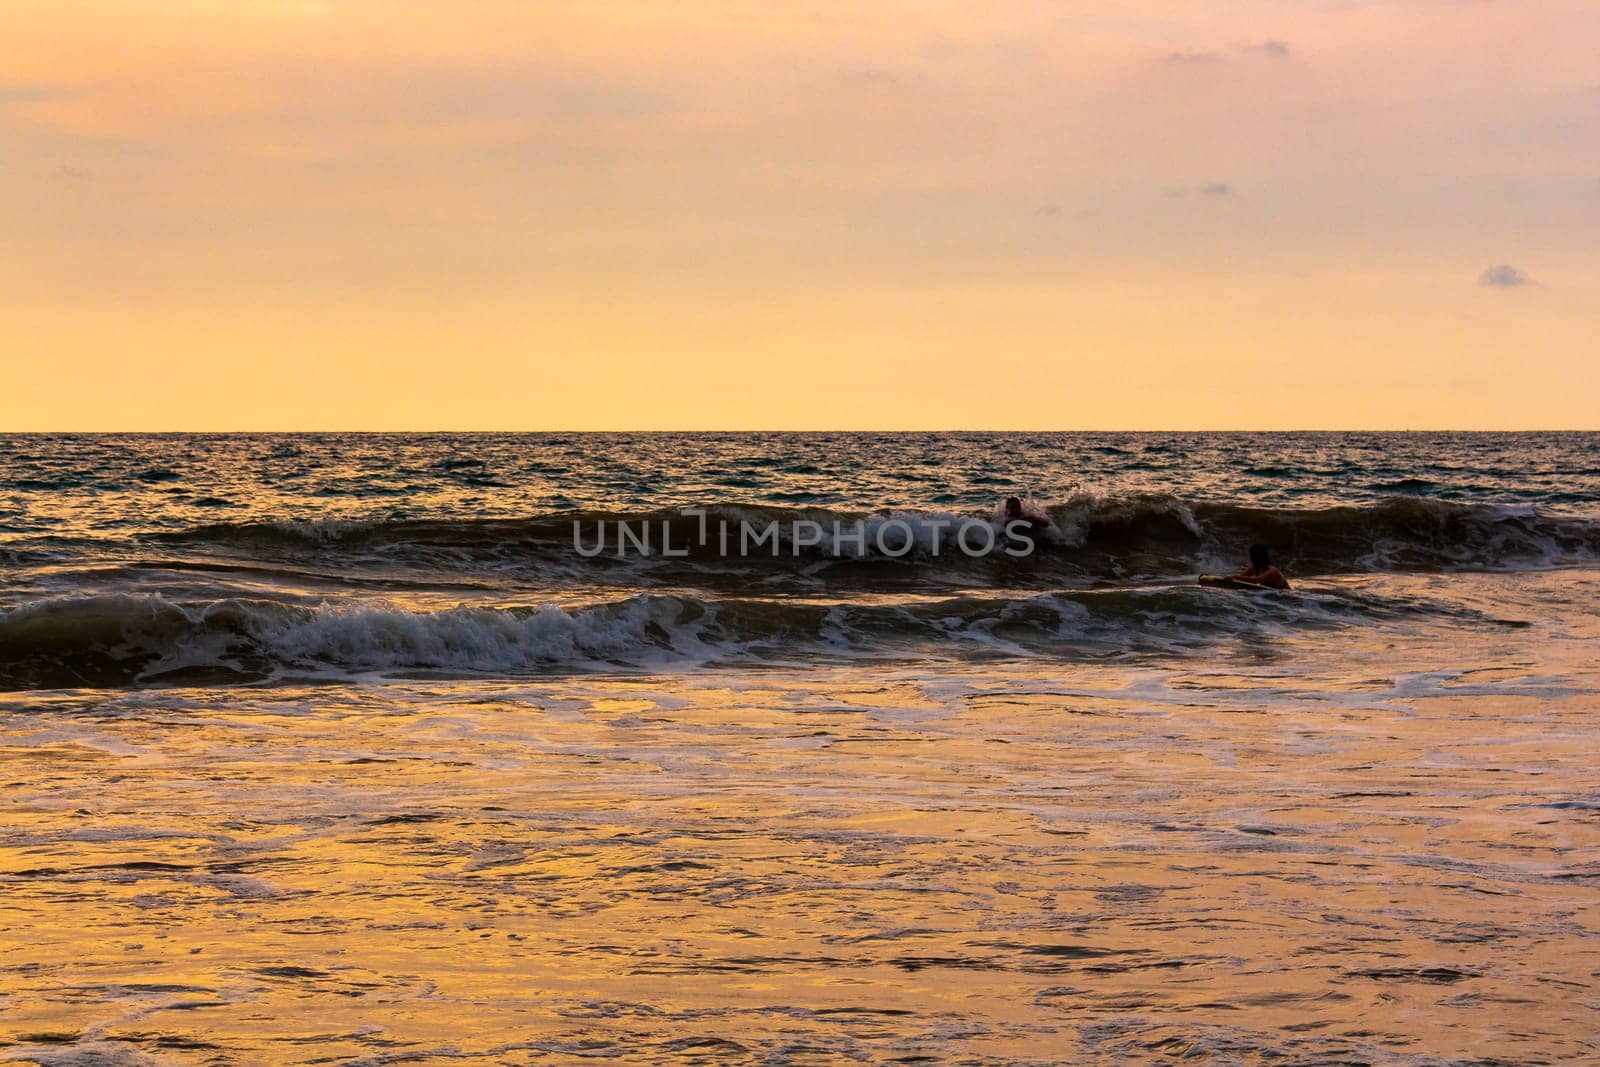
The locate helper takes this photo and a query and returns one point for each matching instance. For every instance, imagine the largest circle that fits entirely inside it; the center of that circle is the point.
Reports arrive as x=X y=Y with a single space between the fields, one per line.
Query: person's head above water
x=1013 y=507
x=1261 y=571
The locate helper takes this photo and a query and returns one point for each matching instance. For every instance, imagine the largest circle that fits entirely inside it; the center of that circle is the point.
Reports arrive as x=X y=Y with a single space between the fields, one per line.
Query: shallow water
x=425 y=809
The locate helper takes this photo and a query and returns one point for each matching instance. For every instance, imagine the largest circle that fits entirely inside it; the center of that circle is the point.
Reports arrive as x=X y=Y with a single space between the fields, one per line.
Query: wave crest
x=1090 y=538
x=116 y=641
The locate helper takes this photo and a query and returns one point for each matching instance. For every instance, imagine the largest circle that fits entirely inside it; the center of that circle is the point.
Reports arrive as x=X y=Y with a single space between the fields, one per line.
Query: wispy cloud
x=874 y=78
x=1208 y=189
x=1270 y=49
x=27 y=92
x=1504 y=276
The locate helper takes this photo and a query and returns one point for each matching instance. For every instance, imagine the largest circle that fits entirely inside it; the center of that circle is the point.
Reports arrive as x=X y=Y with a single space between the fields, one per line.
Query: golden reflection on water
x=1069 y=865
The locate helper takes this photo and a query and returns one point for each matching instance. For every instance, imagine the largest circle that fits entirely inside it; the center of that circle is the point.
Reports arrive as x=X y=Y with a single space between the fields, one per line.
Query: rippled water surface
x=89 y=483
x=333 y=750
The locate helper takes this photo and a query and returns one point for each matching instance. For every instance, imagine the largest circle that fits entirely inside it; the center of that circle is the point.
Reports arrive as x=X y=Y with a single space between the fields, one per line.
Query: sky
x=699 y=214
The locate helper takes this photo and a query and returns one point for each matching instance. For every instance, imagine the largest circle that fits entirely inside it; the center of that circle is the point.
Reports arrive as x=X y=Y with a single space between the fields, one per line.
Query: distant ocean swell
x=123 y=640
x=1092 y=537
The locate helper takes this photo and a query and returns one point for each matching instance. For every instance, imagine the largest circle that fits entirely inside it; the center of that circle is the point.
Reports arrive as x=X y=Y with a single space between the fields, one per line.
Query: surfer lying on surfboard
x=1260 y=574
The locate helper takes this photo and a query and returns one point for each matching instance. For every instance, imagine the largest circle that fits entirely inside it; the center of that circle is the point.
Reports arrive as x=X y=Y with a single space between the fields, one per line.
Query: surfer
x=1035 y=522
x=1261 y=571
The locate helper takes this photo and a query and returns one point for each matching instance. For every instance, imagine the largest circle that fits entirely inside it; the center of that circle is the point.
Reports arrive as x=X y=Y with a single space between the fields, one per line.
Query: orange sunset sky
x=535 y=214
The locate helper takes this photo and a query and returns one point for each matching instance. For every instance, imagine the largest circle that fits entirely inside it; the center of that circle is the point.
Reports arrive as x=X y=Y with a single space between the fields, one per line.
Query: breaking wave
x=127 y=640
x=1090 y=538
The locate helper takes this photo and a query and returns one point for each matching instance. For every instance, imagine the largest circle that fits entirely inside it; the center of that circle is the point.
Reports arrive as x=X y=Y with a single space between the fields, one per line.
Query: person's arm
x=1274 y=577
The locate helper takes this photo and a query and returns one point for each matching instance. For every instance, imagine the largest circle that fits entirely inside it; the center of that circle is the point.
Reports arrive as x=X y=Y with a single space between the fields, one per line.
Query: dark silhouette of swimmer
x=1036 y=522
x=1261 y=571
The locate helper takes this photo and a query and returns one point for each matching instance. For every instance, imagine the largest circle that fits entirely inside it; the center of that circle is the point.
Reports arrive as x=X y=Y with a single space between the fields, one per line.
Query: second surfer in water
x=1261 y=571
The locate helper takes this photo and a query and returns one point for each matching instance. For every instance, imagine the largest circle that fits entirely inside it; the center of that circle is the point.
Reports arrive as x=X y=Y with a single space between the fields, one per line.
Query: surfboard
x=1215 y=581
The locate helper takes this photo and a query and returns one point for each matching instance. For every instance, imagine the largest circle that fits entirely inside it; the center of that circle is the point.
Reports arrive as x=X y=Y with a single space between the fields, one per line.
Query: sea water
x=335 y=749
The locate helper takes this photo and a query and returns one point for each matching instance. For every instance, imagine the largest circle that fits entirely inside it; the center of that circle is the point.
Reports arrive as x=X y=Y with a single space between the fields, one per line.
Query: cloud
x=1270 y=49
x=1504 y=276
x=874 y=78
x=1209 y=189
x=297 y=108
x=27 y=92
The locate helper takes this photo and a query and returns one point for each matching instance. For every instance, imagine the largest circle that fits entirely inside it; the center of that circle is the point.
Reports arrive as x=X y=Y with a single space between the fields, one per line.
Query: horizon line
x=805 y=430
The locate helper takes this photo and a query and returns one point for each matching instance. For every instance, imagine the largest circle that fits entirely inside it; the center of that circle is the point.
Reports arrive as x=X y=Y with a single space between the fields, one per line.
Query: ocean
x=513 y=748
